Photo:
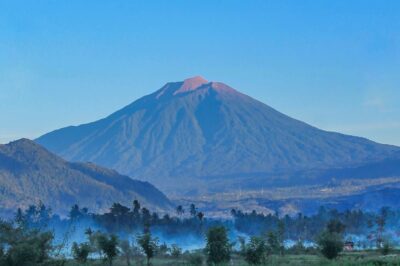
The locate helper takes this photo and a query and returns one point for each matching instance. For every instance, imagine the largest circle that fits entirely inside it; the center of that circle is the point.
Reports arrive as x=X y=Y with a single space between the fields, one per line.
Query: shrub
x=330 y=244
x=255 y=251
x=176 y=251
x=80 y=252
x=195 y=259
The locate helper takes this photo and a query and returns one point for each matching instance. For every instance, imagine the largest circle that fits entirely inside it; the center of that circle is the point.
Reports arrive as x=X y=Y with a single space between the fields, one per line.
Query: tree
x=381 y=222
x=24 y=246
x=218 y=248
x=273 y=242
x=146 y=216
x=193 y=210
x=118 y=209
x=200 y=215
x=330 y=244
x=242 y=245
x=385 y=250
x=281 y=237
x=254 y=251
x=109 y=246
x=120 y=214
x=330 y=240
x=80 y=252
x=136 y=208
x=335 y=226
x=298 y=248
x=148 y=245
x=127 y=251
x=179 y=210
x=176 y=251
x=163 y=249
x=75 y=212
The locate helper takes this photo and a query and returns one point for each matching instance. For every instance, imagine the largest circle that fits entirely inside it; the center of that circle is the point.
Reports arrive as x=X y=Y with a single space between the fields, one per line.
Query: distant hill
x=197 y=136
x=29 y=174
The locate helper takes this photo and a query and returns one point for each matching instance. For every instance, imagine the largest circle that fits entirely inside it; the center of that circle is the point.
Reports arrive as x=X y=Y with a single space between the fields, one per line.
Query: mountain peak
x=191 y=84
x=195 y=81
x=27 y=150
x=24 y=143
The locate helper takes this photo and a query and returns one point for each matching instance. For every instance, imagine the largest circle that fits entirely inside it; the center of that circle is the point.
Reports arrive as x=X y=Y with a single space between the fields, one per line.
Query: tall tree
x=218 y=248
x=127 y=251
x=148 y=244
x=381 y=222
x=273 y=242
x=136 y=210
x=281 y=236
x=193 y=210
x=109 y=246
x=330 y=240
x=80 y=252
x=180 y=211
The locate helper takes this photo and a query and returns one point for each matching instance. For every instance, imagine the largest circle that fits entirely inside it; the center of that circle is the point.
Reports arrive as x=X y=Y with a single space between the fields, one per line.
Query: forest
x=133 y=235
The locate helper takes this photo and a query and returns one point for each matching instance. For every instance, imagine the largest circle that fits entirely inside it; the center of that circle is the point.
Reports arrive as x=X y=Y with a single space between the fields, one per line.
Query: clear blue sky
x=333 y=64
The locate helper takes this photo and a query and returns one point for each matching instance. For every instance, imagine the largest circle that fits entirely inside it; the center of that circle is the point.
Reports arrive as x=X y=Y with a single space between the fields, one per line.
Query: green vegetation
x=80 y=252
x=108 y=245
x=331 y=240
x=255 y=251
x=22 y=246
x=127 y=236
x=369 y=258
x=148 y=245
x=218 y=248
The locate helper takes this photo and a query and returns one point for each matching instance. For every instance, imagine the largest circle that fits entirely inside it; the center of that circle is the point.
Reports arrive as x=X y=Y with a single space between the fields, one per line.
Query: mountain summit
x=193 y=84
x=197 y=135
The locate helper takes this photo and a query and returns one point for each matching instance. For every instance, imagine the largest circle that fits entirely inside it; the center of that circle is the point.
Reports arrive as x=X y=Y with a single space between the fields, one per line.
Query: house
x=348 y=246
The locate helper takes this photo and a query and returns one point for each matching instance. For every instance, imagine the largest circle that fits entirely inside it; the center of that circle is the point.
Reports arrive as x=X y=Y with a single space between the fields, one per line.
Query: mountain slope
x=29 y=173
x=188 y=133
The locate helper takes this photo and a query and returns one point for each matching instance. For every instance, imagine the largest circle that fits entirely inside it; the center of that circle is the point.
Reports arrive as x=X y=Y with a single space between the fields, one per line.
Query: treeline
x=127 y=234
x=122 y=220
x=365 y=229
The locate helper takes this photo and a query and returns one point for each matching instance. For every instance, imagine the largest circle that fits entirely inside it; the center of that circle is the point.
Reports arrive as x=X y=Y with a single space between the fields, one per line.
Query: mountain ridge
x=29 y=173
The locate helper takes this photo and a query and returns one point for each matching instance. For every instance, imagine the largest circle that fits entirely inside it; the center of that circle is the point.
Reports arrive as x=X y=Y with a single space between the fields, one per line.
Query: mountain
x=29 y=174
x=197 y=136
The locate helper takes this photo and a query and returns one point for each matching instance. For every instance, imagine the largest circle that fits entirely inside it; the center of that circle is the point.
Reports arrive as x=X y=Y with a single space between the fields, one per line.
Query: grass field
x=370 y=258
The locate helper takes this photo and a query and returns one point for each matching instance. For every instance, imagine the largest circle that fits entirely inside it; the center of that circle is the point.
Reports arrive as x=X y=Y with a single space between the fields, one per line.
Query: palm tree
x=179 y=210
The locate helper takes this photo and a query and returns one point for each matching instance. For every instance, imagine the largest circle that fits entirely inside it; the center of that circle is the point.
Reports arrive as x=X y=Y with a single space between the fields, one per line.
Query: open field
x=346 y=259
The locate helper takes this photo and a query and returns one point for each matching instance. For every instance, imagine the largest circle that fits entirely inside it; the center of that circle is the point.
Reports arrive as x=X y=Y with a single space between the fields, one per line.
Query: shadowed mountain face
x=199 y=136
x=29 y=174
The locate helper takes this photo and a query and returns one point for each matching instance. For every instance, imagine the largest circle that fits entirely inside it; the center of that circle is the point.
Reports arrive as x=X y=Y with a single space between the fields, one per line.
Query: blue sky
x=333 y=64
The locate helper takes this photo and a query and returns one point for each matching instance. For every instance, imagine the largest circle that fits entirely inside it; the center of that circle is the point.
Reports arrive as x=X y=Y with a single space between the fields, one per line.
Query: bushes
x=255 y=251
x=385 y=250
x=24 y=246
x=195 y=259
x=176 y=251
x=331 y=244
x=108 y=244
x=80 y=252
